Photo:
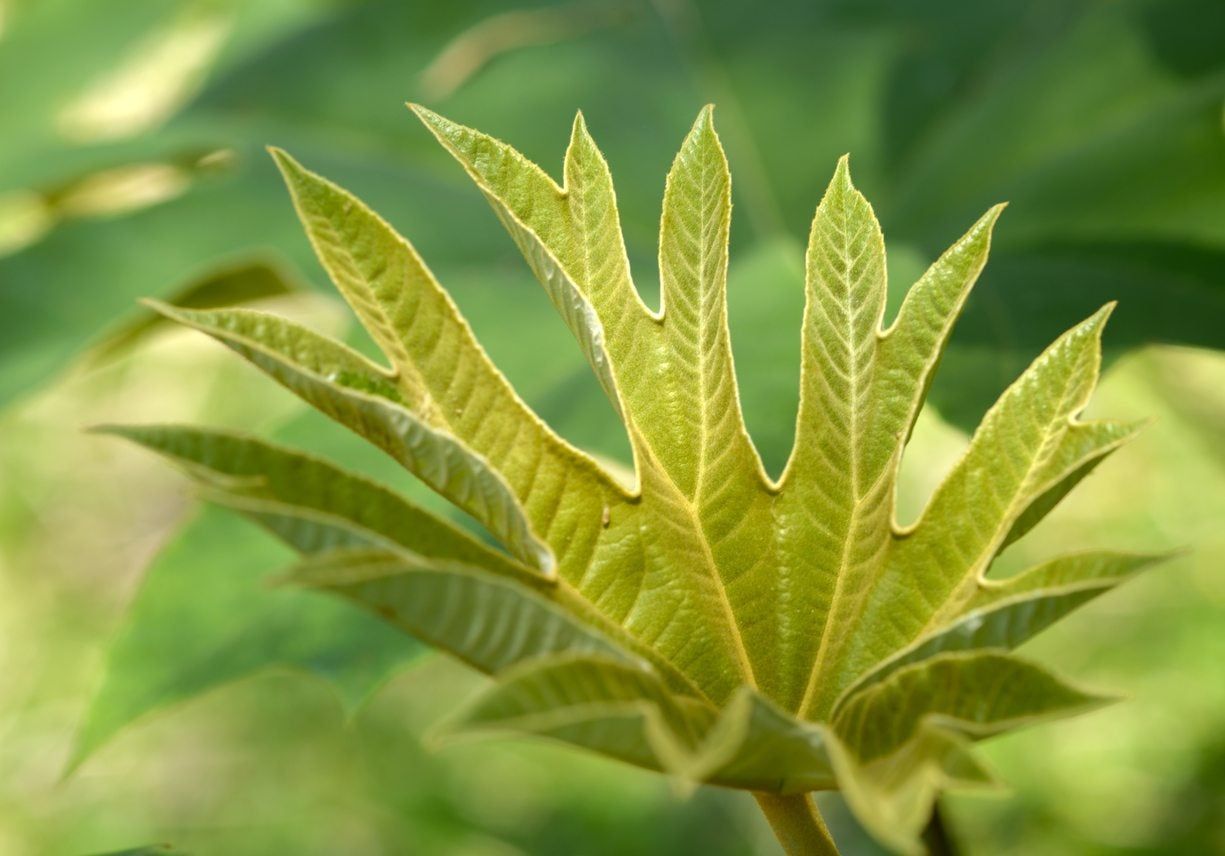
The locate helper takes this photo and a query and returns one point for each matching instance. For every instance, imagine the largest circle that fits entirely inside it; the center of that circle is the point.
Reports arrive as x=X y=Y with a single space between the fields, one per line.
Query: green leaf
x=1007 y=613
x=235 y=284
x=263 y=480
x=570 y=236
x=360 y=395
x=1097 y=441
x=487 y=620
x=893 y=796
x=861 y=390
x=619 y=710
x=205 y=617
x=1091 y=570
x=439 y=369
x=317 y=508
x=711 y=623
x=1028 y=444
x=903 y=733
x=976 y=693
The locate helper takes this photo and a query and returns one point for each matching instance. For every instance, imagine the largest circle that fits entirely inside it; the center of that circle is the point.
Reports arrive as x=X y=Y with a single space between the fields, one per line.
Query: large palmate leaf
x=704 y=618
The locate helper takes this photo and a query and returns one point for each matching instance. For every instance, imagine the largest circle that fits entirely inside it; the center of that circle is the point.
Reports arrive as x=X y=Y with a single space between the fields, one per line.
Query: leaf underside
x=709 y=620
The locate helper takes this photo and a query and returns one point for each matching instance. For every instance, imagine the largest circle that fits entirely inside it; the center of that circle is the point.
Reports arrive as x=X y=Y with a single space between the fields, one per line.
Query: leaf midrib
x=403 y=370
x=823 y=645
x=706 y=218
x=694 y=518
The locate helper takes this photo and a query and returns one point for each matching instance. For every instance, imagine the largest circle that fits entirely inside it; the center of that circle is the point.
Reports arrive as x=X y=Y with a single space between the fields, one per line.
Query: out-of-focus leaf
x=232 y=286
x=905 y=734
x=206 y=615
x=54 y=55
x=982 y=693
x=1100 y=123
x=889 y=751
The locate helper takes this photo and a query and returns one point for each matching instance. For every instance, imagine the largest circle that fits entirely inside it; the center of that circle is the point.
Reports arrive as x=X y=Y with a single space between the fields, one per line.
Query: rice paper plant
x=699 y=618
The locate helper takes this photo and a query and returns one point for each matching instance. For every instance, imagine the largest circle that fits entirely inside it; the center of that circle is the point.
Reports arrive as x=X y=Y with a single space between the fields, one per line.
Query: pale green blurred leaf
x=239 y=284
x=207 y=616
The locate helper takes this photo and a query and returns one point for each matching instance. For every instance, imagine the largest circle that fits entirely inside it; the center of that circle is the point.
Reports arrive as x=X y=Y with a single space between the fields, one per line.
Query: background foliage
x=132 y=164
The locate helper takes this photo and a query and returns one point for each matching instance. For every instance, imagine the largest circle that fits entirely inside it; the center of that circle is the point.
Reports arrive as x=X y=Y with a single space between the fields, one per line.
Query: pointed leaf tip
x=983 y=229
x=704 y=124
x=428 y=117
x=290 y=168
x=579 y=135
x=1095 y=324
x=702 y=137
x=840 y=183
x=992 y=215
x=280 y=156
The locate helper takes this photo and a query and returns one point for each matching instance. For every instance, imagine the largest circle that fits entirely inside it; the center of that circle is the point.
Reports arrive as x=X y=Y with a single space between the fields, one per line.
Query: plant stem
x=797 y=825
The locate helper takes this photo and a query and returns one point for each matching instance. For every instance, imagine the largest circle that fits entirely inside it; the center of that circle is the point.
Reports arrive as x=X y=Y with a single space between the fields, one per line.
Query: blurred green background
x=154 y=687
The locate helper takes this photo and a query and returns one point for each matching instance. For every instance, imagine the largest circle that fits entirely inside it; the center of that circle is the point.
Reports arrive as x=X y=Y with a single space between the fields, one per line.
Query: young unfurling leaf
x=708 y=621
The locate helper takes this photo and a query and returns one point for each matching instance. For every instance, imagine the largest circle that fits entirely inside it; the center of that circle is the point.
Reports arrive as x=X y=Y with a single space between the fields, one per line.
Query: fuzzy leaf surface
x=703 y=618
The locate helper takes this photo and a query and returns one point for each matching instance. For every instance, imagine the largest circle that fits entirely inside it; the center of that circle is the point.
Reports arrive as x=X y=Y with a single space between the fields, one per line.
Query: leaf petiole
x=797 y=824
